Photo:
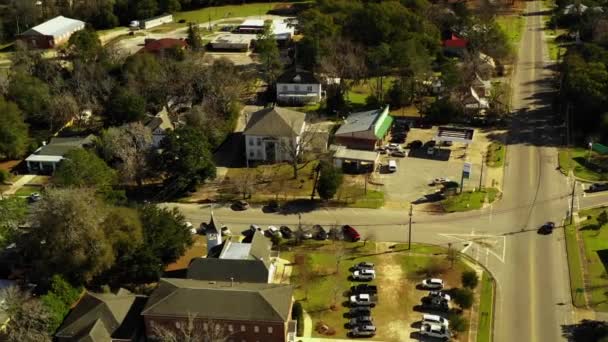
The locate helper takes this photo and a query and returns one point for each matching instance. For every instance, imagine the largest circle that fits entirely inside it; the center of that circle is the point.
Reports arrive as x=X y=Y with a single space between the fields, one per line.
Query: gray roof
x=59 y=146
x=298 y=76
x=360 y=121
x=214 y=269
x=275 y=122
x=350 y=154
x=97 y=315
x=221 y=300
x=55 y=27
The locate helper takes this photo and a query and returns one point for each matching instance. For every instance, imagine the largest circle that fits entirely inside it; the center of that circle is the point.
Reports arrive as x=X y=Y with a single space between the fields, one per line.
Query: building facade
x=364 y=130
x=51 y=33
x=298 y=88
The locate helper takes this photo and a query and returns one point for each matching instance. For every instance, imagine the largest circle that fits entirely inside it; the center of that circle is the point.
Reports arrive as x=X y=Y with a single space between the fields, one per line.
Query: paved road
x=531 y=269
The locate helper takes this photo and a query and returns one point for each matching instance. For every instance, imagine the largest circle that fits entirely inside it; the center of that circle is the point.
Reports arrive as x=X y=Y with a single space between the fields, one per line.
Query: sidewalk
x=18 y=184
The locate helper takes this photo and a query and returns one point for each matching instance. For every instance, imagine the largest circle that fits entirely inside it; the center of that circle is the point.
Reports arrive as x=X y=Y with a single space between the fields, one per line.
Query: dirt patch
x=396 y=324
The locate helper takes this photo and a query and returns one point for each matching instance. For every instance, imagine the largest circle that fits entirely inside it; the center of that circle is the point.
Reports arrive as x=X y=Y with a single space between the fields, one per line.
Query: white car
x=432 y=283
x=440 y=294
x=272 y=230
x=394 y=147
x=362 y=299
x=364 y=274
x=435 y=330
x=435 y=319
x=190 y=227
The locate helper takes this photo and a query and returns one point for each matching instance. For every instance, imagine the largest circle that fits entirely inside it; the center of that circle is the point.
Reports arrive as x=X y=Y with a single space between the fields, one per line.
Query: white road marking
x=472 y=238
x=578 y=203
x=464 y=250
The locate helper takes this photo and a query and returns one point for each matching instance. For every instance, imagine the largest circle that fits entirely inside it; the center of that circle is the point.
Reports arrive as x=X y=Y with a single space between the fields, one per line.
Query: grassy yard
x=576 y=159
x=321 y=271
x=512 y=26
x=28 y=190
x=221 y=12
x=359 y=92
x=352 y=194
x=486 y=309
x=595 y=242
x=574 y=266
x=469 y=200
x=496 y=154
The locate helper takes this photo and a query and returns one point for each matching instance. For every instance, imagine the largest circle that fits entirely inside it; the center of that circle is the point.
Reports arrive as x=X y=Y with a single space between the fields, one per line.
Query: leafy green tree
x=13 y=131
x=125 y=106
x=124 y=229
x=469 y=279
x=329 y=181
x=602 y=218
x=186 y=159
x=83 y=168
x=59 y=299
x=268 y=50
x=194 y=37
x=458 y=323
x=170 y=6
x=165 y=233
x=85 y=45
x=463 y=298
x=13 y=211
x=145 y=9
x=31 y=95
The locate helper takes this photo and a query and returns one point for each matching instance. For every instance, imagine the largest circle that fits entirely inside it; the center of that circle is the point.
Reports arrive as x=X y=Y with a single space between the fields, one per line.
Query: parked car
x=547 y=228
x=351 y=233
x=394 y=147
x=272 y=207
x=225 y=231
x=595 y=187
x=398 y=153
x=364 y=275
x=435 y=330
x=364 y=288
x=439 y=181
x=190 y=227
x=435 y=303
x=381 y=150
x=363 y=331
x=336 y=234
x=359 y=311
x=240 y=205
x=440 y=294
x=435 y=319
x=432 y=283
x=272 y=231
x=34 y=197
x=363 y=299
x=319 y=232
x=414 y=144
x=286 y=232
x=306 y=235
x=430 y=151
x=360 y=320
x=365 y=264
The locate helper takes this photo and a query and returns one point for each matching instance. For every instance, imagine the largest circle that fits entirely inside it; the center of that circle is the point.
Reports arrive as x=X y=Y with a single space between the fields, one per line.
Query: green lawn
x=324 y=291
x=595 y=240
x=27 y=190
x=574 y=266
x=486 y=309
x=359 y=92
x=220 y=12
x=353 y=195
x=496 y=154
x=576 y=159
x=512 y=26
x=469 y=200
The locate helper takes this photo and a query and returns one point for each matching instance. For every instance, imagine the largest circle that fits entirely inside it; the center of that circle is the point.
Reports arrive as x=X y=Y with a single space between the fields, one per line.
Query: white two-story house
x=298 y=87
x=274 y=134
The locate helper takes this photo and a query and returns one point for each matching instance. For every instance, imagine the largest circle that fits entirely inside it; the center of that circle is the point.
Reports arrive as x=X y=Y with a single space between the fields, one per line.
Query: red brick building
x=240 y=312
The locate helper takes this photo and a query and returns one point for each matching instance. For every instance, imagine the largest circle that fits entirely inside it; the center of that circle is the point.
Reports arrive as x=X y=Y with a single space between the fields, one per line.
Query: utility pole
x=572 y=202
x=483 y=161
x=409 y=239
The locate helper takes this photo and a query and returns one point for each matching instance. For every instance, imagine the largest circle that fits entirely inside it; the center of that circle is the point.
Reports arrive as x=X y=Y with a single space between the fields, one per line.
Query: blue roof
x=360 y=121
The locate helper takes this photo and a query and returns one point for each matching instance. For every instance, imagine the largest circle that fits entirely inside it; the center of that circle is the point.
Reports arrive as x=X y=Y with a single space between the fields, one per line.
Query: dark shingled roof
x=99 y=315
x=251 y=271
x=298 y=76
x=59 y=146
x=275 y=122
x=221 y=300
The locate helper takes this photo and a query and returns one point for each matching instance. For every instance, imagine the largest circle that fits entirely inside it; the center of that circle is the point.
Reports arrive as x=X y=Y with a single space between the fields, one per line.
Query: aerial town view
x=303 y=171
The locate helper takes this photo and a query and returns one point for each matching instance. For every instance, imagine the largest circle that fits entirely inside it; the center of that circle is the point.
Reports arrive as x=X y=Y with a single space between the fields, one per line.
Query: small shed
x=355 y=161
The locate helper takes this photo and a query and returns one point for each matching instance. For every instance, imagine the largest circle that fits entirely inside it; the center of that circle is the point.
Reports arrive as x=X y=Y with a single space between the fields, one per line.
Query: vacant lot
x=321 y=271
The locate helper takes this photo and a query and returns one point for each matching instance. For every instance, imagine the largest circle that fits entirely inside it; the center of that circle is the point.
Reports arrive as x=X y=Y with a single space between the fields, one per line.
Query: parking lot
x=414 y=172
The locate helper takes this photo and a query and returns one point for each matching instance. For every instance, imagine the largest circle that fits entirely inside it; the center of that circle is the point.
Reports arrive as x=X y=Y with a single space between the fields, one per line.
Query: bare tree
x=346 y=62
x=299 y=148
x=64 y=107
x=28 y=319
x=304 y=272
x=193 y=330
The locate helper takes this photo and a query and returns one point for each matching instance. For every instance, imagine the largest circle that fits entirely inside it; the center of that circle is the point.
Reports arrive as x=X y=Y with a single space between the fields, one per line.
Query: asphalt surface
x=530 y=268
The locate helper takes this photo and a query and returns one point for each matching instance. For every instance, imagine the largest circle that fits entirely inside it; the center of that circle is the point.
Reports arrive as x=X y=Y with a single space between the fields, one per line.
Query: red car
x=351 y=233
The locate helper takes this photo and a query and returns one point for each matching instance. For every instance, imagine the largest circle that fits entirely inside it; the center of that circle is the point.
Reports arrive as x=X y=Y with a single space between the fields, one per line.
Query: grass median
x=486 y=309
x=575 y=266
x=496 y=154
x=469 y=200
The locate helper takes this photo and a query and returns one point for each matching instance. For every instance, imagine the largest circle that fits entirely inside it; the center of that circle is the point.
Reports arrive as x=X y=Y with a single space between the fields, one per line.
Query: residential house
x=298 y=87
x=104 y=317
x=46 y=158
x=234 y=260
x=455 y=45
x=482 y=87
x=475 y=103
x=160 y=125
x=159 y=46
x=237 y=311
x=485 y=65
x=274 y=134
x=51 y=33
x=364 y=130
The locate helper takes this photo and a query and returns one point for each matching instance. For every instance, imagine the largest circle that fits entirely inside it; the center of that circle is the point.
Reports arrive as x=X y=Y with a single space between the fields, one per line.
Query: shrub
x=463 y=297
x=470 y=279
x=297 y=314
x=4 y=176
x=458 y=323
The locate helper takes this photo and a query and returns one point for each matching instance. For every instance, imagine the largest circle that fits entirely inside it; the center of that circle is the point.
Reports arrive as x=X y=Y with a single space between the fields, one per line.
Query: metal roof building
x=364 y=130
x=51 y=33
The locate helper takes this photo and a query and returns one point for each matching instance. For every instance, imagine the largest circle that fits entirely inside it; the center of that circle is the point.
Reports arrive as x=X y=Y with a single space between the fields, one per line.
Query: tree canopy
x=13 y=131
x=329 y=182
x=83 y=168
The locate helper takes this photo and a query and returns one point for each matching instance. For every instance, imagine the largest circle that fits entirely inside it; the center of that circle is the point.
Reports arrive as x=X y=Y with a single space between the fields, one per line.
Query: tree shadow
x=585 y=331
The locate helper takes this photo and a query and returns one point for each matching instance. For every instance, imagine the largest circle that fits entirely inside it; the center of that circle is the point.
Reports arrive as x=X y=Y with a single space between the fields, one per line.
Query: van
x=392 y=165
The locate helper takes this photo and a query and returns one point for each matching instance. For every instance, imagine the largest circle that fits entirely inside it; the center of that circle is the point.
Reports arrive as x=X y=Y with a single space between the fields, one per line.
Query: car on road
x=240 y=205
x=435 y=330
x=272 y=207
x=272 y=231
x=364 y=288
x=363 y=331
x=363 y=299
x=286 y=232
x=398 y=153
x=364 y=275
x=414 y=144
x=358 y=311
x=595 y=187
x=34 y=197
x=360 y=320
x=440 y=294
x=546 y=228
x=351 y=233
x=432 y=283
x=435 y=319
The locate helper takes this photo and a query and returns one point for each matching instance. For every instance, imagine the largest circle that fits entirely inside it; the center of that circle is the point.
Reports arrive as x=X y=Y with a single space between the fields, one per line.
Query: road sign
x=466 y=170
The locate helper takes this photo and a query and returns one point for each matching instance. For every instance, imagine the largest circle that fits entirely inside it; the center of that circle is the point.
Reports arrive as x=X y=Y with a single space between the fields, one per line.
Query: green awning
x=384 y=126
x=599 y=148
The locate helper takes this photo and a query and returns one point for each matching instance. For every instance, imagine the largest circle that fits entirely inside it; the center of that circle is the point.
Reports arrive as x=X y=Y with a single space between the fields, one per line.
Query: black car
x=364 y=288
x=240 y=205
x=363 y=266
x=272 y=207
x=546 y=228
x=360 y=311
x=414 y=144
x=595 y=187
x=320 y=233
x=286 y=232
x=435 y=303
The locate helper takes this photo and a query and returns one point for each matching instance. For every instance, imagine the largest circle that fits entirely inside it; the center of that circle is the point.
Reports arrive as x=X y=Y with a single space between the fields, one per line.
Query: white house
x=160 y=125
x=273 y=134
x=298 y=87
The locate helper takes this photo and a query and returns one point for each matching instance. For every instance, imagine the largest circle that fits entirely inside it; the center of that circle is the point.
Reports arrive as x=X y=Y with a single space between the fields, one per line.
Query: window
x=259 y=154
x=178 y=325
x=250 y=141
x=205 y=326
x=309 y=88
x=230 y=328
x=243 y=328
x=270 y=330
x=284 y=88
x=259 y=141
x=256 y=329
x=296 y=87
x=251 y=155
